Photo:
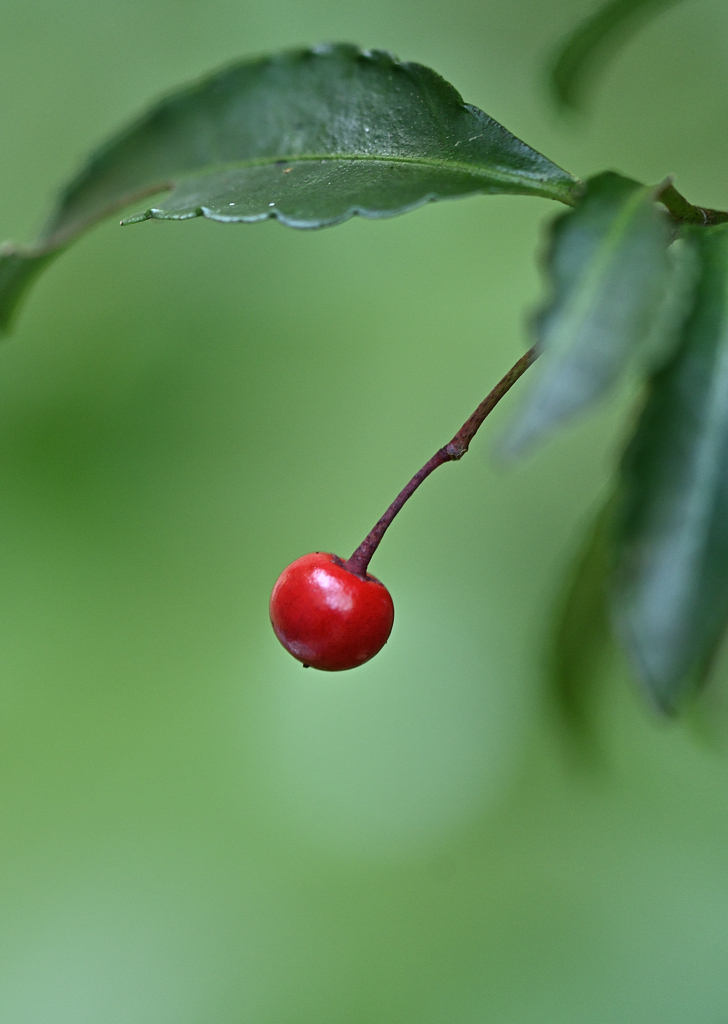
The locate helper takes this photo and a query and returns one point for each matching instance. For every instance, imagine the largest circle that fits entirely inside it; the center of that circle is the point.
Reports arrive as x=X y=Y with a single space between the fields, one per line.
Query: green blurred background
x=194 y=830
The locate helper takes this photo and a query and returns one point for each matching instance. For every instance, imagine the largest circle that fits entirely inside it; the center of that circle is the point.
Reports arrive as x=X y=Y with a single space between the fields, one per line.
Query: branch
x=452 y=451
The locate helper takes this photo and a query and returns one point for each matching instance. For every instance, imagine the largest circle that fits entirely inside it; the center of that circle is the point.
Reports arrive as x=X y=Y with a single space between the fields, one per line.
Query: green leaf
x=583 y=634
x=590 y=46
x=608 y=265
x=671 y=585
x=310 y=137
x=666 y=326
x=18 y=270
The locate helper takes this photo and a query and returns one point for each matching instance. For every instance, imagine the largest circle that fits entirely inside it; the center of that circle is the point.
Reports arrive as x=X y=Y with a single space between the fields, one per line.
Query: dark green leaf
x=609 y=268
x=18 y=270
x=583 y=633
x=585 y=52
x=310 y=137
x=671 y=586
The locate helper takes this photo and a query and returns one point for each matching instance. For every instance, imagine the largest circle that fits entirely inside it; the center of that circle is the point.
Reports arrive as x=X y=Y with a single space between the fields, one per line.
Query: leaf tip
x=137 y=218
x=516 y=441
x=18 y=269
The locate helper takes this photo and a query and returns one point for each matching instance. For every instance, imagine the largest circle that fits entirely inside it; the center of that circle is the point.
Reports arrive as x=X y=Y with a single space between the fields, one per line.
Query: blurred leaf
x=671 y=589
x=18 y=270
x=310 y=137
x=583 y=633
x=668 y=321
x=590 y=46
x=608 y=264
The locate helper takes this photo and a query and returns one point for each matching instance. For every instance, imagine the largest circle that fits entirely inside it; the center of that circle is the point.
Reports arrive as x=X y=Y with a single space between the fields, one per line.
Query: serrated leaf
x=590 y=46
x=671 y=586
x=310 y=137
x=608 y=265
x=583 y=634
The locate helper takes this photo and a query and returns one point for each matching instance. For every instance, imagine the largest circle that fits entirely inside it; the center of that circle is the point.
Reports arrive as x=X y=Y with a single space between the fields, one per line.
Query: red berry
x=327 y=616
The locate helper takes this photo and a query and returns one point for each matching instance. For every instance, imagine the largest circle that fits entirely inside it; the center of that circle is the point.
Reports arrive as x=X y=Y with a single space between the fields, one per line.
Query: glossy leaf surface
x=608 y=265
x=310 y=137
x=671 y=591
x=589 y=47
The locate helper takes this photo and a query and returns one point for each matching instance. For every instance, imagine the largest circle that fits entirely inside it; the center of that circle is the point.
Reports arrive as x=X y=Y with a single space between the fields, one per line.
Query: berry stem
x=452 y=451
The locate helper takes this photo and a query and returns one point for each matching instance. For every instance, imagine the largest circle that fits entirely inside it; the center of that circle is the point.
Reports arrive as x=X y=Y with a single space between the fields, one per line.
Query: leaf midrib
x=563 y=191
x=381 y=158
